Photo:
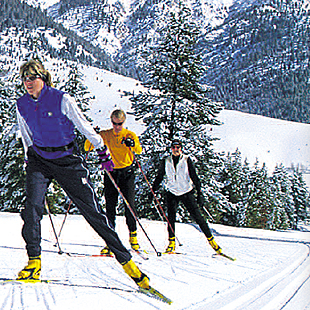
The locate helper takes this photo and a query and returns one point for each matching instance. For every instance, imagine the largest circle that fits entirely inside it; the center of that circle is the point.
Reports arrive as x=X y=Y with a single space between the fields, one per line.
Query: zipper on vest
x=37 y=104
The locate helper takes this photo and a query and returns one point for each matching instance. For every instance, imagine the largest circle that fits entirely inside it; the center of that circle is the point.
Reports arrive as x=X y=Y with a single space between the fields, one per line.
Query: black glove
x=129 y=142
x=97 y=129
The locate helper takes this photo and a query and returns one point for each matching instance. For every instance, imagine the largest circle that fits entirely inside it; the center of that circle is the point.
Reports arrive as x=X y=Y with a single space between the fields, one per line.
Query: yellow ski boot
x=171 y=247
x=134 y=240
x=32 y=271
x=135 y=274
x=214 y=245
x=106 y=252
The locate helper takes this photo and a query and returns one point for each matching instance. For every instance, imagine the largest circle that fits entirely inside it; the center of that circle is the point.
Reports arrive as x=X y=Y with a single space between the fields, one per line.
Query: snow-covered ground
x=271 y=270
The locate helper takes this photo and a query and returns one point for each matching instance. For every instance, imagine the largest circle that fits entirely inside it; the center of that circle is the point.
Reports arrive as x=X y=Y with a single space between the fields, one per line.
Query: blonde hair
x=118 y=114
x=35 y=67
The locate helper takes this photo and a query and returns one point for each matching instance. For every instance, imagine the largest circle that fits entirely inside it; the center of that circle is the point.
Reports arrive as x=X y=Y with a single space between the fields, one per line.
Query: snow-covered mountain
x=104 y=22
x=246 y=46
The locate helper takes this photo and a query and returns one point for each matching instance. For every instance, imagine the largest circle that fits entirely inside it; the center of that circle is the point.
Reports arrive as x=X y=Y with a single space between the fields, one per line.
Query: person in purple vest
x=47 y=118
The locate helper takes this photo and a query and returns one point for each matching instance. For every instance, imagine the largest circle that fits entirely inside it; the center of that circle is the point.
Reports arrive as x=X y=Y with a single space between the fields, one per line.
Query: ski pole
x=156 y=199
x=64 y=220
x=130 y=209
x=208 y=213
x=54 y=230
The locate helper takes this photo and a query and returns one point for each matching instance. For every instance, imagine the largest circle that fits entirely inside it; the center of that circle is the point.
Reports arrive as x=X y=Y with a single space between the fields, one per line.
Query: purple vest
x=49 y=127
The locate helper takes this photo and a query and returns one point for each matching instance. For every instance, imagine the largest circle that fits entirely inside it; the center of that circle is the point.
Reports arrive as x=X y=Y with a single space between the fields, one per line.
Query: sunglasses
x=117 y=124
x=176 y=147
x=30 y=78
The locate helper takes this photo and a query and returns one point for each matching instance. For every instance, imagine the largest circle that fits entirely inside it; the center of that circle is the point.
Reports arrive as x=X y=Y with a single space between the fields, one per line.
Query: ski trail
x=7 y=299
x=268 y=290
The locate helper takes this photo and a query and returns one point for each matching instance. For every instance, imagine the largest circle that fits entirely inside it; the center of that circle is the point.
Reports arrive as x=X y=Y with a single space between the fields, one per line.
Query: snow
x=271 y=270
x=109 y=88
x=43 y=4
x=270 y=140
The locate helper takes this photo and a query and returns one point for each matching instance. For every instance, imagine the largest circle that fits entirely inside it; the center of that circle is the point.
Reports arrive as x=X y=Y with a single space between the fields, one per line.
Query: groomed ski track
x=272 y=270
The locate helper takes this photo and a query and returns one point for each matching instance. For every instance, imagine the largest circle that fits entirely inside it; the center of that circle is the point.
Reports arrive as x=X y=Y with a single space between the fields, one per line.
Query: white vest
x=178 y=181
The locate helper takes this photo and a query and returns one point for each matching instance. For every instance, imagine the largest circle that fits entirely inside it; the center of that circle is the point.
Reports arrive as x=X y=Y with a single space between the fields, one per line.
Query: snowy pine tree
x=75 y=87
x=260 y=201
x=175 y=104
x=283 y=216
x=235 y=179
x=301 y=198
x=12 y=174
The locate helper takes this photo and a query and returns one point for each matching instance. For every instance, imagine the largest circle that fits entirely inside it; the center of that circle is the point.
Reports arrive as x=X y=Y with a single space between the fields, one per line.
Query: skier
x=181 y=178
x=122 y=143
x=47 y=118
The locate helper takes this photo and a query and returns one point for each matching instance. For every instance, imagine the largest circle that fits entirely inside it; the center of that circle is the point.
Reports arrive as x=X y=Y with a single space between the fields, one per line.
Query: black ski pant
x=73 y=176
x=190 y=203
x=125 y=180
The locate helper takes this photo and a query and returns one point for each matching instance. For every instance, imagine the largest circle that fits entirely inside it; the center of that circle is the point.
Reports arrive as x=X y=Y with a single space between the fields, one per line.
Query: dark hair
x=176 y=142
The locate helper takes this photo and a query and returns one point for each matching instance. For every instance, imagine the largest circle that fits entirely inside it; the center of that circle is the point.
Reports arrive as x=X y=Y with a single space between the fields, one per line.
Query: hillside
x=269 y=140
x=28 y=32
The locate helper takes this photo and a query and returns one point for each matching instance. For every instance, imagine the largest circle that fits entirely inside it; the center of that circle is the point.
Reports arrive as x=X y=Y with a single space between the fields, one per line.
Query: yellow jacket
x=121 y=155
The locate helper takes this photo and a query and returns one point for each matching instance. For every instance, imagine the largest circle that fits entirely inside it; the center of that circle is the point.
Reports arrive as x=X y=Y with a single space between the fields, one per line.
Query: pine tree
x=235 y=179
x=283 y=216
x=174 y=103
x=12 y=174
x=260 y=201
x=75 y=87
x=301 y=197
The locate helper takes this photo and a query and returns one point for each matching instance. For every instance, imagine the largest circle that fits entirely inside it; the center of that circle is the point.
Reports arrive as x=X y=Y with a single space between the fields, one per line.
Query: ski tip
x=102 y=255
x=173 y=253
x=224 y=255
x=142 y=253
x=152 y=292
x=229 y=257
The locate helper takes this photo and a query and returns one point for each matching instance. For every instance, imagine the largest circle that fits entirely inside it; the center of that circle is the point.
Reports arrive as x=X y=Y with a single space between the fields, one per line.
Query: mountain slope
x=256 y=52
x=26 y=31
